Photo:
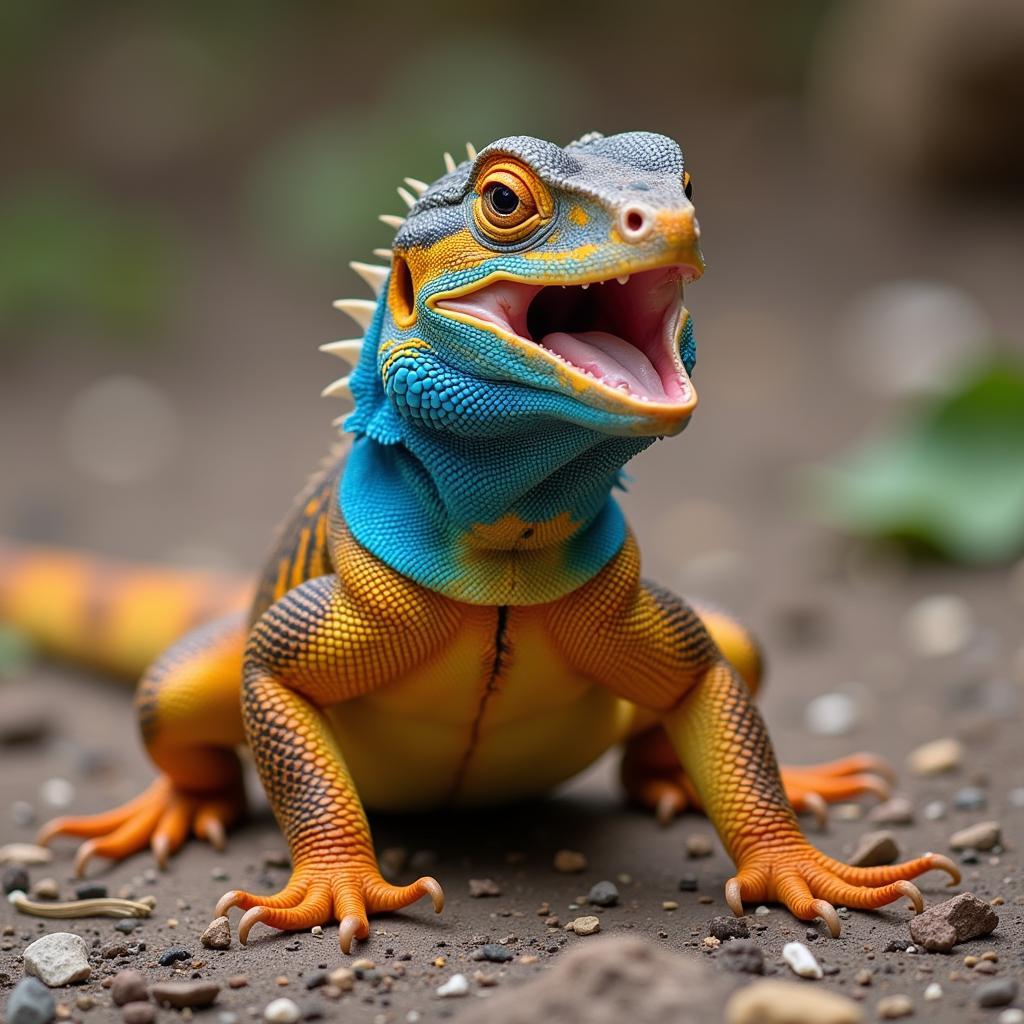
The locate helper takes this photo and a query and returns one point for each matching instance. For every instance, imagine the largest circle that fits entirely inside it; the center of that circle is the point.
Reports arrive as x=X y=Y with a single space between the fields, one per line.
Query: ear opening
x=401 y=295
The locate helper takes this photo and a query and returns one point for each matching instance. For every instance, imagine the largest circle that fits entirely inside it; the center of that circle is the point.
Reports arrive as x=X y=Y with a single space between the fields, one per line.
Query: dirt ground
x=716 y=515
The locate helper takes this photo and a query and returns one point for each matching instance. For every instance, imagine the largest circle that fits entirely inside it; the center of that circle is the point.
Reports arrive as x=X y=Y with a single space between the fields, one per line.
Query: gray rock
x=998 y=992
x=14 y=878
x=58 y=959
x=898 y=810
x=966 y=915
x=604 y=894
x=874 y=849
x=742 y=956
x=494 y=953
x=218 y=934
x=982 y=836
x=128 y=987
x=726 y=928
x=31 y=1002
x=970 y=798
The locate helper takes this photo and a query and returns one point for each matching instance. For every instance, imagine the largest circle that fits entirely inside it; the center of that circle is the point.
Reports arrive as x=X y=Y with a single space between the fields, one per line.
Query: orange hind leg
x=188 y=704
x=653 y=777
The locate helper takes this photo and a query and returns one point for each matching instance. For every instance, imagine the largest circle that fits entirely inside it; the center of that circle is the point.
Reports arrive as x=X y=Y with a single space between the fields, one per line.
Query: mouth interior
x=621 y=332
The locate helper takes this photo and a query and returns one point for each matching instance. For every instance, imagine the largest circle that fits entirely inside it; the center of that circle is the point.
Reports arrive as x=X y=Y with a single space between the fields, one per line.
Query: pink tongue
x=612 y=360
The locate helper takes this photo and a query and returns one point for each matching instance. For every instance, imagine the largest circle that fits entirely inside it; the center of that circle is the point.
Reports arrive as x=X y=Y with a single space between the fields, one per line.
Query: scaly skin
x=454 y=612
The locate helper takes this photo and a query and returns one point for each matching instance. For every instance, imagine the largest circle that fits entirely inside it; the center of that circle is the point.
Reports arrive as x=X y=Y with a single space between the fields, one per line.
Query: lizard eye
x=512 y=203
x=502 y=199
x=688 y=185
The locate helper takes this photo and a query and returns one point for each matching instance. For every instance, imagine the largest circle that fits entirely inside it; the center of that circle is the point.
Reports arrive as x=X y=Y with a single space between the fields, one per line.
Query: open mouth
x=621 y=334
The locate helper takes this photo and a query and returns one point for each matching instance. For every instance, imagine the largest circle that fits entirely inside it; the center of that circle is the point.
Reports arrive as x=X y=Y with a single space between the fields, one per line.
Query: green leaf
x=950 y=478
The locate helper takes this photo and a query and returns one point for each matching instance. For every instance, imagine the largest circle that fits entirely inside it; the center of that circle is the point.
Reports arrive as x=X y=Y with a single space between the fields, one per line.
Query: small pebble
x=46 y=889
x=761 y=910
x=494 y=953
x=603 y=894
x=138 y=1013
x=174 y=955
x=669 y=905
x=698 y=845
x=897 y=810
x=480 y=888
x=281 y=1011
x=112 y=950
x=935 y=810
x=217 y=934
x=726 y=928
x=128 y=986
x=875 y=849
x=14 y=878
x=23 y=813
x=688 y=883
x=570 y=862
x=801 y=960
x=831 y=714
x=863 y=977
x=58 y=959
x=1012 y=1016
x=939 y=625
x=894 y=1007
x=936 y=757
x=90 y=891
x=998 y=992
x=455 y=986
x=238 y=981
x=317 y=930
x=31 y=1002
x=343 y=978
x=588 y=925
x=742 y=956
x=970 y=798
x=933 y=992
x=57 y=793
x=959 y=919
x=185 y=994
x=982 y=836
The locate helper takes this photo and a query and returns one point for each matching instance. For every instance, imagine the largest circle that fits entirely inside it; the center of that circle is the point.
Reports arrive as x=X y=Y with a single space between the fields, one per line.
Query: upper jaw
x=612 y=341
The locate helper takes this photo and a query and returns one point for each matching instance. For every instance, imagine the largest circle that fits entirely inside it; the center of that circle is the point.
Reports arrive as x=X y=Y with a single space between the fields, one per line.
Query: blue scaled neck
x=497 y=520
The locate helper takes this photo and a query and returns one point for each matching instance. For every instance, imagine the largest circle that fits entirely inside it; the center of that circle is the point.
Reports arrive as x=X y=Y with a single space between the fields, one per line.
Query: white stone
x=801 y=960
x=282 y=1011
x=456 y=985
x=58 y=959
x=939 y=625
x=1011 y=1016
x=831 y=714
x=57 y=793
x=933 y=992
x=936 y=757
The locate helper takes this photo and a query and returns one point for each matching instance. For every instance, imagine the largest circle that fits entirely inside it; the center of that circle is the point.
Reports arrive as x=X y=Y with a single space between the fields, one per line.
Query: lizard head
x=532 y=282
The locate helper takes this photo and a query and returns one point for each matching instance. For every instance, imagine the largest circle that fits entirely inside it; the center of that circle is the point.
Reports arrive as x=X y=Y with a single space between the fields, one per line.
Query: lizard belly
x=499 y=715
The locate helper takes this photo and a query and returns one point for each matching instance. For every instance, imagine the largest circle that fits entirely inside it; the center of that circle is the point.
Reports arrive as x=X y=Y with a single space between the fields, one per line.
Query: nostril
x=635 y=222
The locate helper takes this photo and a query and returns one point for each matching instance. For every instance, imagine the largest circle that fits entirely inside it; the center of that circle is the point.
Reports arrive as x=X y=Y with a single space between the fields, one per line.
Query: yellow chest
x=497 y=715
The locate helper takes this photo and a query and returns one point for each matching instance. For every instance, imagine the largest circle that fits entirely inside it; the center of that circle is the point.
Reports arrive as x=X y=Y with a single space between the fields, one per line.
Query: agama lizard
x=455 y=613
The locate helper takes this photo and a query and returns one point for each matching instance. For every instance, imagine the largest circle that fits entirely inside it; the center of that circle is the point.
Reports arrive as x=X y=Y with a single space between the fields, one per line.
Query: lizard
x=454 y=614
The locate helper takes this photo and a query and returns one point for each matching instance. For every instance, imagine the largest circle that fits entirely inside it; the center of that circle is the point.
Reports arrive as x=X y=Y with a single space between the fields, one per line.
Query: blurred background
x=184 y=184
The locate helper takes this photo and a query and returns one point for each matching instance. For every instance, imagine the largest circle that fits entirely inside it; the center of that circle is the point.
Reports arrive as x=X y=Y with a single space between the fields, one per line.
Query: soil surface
x=716 y=517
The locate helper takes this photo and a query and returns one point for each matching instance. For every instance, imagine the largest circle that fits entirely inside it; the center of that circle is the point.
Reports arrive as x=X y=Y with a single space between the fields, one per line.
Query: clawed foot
x=317 y=895
x=809 y=788
x=161 y=817
x=811 y=884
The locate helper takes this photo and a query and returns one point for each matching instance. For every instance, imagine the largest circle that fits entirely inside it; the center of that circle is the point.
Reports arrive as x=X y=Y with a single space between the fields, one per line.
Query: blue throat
x=501 y=522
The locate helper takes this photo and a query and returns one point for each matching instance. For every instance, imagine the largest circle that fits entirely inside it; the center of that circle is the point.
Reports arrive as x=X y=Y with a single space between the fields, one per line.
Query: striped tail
x=114 y=617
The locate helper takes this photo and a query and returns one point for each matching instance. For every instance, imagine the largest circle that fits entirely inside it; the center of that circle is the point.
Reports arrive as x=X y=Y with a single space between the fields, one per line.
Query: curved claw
x=226 y=902
x=733 y=897
x=874 y=783
x=161 y=847
x=828 y=914
x=350 y=928
x=912 y=893
x=83 y=855
x=247 y=920
x=433 y=887
x=669 y=805
x=214 y=833
x=815 y=803
x=940 y=862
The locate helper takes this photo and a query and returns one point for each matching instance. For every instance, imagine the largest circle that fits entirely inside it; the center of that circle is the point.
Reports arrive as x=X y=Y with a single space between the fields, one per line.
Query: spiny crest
x=362 y=310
